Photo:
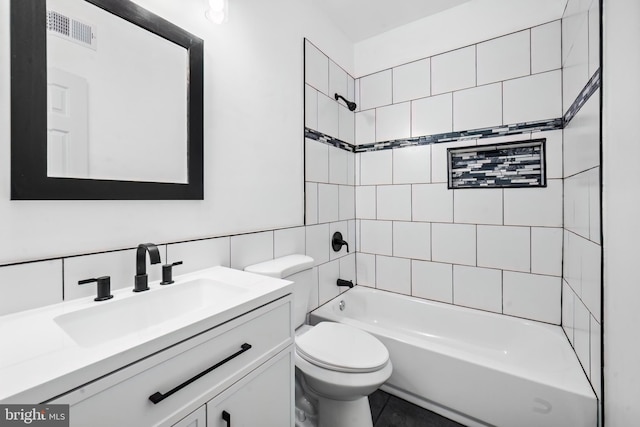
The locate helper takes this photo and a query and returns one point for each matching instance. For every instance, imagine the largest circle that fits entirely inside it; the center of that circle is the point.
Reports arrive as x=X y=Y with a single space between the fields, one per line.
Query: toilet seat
x=342 y=348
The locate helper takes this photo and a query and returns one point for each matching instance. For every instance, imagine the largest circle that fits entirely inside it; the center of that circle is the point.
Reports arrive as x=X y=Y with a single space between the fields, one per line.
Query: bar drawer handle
x=226 y=417
x=159 y=397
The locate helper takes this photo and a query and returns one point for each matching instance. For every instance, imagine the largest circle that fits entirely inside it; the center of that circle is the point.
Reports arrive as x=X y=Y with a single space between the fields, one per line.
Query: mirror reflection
x=117 y=98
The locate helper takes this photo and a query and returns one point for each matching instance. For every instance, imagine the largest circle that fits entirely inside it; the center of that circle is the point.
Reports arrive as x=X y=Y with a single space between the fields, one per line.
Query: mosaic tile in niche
x=510 y=164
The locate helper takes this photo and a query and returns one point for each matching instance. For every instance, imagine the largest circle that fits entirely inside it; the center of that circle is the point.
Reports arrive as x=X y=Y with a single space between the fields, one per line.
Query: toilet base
x=344 y=413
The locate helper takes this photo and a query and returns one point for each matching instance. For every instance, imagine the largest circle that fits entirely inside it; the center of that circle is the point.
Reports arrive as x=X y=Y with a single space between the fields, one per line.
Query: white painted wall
x=621 y=212
x=463 y=25
x=253 y=139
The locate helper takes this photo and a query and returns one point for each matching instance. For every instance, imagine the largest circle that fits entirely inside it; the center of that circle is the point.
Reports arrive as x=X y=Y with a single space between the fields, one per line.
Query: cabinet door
x=197 y=418
x=264 y=398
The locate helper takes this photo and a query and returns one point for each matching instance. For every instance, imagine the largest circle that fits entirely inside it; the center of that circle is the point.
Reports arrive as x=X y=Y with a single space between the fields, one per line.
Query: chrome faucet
x=141 y=279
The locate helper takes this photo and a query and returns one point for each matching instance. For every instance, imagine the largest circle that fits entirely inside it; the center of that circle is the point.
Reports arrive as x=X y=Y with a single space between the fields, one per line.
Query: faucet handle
x=167 y=273
x=104 y=287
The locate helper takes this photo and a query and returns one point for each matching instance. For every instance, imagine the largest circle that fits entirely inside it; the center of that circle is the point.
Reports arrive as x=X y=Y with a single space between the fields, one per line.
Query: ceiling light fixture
x=217 y=11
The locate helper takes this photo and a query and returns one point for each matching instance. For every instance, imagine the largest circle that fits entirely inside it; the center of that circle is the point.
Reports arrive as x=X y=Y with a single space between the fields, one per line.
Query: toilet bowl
x=340 y=365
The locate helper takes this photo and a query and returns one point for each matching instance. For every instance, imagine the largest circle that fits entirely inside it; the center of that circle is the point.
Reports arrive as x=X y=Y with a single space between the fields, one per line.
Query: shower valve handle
x=337 y=242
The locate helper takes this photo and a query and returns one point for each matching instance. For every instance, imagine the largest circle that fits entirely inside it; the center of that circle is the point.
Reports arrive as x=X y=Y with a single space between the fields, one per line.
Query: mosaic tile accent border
x=592 y=85
x=520 y=164
x=329 y=140
x=503 y=130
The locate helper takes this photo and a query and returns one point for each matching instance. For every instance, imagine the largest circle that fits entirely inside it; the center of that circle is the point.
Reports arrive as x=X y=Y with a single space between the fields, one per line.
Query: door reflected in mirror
x=116 y=98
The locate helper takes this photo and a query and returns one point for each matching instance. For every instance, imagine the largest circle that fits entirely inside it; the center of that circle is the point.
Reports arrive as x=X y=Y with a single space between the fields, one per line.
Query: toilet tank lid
x=282 y=267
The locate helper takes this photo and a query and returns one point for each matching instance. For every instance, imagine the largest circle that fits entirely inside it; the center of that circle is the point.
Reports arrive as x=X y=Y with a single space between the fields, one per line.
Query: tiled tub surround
x=489 y=248
x=582 y=253
x=494 y=249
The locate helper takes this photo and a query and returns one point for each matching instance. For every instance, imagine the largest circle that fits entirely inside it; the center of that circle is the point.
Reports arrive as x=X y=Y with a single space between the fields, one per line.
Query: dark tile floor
x=391 y=411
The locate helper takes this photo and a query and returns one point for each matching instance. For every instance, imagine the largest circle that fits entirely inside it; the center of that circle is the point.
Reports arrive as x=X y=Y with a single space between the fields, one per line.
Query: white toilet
x=340 y=364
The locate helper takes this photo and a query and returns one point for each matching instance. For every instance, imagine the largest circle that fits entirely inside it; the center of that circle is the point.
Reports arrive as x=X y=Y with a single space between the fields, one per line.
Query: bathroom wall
x=582 y=283
x=329 y=172
x=493 y=249
x=621 y=210
x=254 y=182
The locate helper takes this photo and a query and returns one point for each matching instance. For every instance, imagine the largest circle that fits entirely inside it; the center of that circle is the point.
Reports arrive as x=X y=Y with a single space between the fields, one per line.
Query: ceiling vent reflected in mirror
x=71 y=29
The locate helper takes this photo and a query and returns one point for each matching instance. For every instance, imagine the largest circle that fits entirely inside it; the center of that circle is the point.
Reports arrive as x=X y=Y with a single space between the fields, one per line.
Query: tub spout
x=342 y=282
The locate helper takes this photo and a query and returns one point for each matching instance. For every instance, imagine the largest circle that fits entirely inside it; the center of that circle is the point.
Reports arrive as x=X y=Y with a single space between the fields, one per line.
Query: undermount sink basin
x=144 y=311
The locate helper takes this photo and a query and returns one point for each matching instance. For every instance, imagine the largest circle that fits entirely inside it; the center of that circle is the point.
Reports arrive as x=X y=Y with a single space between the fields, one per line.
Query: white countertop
x=39 y=360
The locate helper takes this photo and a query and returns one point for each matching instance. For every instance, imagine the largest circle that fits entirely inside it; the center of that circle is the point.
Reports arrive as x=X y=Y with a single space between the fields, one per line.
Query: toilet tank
x=296 y=268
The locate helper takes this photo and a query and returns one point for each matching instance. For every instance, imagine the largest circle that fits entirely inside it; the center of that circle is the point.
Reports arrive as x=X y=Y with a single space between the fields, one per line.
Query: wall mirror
x=106 y=103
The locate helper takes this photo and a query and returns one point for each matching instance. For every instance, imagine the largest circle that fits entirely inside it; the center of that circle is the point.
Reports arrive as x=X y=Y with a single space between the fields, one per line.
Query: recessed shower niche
x=511 y=164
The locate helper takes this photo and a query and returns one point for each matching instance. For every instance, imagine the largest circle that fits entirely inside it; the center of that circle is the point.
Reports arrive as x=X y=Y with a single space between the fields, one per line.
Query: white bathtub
x=478 y=368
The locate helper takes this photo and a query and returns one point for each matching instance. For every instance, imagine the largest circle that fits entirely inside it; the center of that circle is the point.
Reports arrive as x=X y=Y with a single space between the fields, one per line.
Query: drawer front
x=108 y=402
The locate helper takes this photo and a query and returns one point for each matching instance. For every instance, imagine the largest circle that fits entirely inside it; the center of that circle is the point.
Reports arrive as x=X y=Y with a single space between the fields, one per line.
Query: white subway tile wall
x=338 y=81
x=365 y=126
x=40 y=283
x=477 y=288
x=248 y=249
x=432 y=115
x=453 y=70
x=504 y=58
x=316 y=67
x=412 y=165
x=546 y=52
x=432 y=280
x=376 y=237
x=394 y=202
x=412 y=80
x=289 y=241
x=330 y=176
x=412 y=240
x=542 y=95
x=393 y=122
x=393 y=274
x=478 y=206
x=376 y=90
x=199 y=254
x=328 y=274
x=328 y=197
x=328 y=115
x=532 y=296
x=582 y=251
x=376 y=167
x=478 y=107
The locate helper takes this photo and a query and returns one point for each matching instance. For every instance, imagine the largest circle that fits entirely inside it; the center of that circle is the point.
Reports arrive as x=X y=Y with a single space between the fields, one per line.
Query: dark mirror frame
x=29 y=180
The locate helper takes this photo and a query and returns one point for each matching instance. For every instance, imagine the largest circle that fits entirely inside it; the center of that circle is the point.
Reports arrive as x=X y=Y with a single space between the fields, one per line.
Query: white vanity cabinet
x=260 y=399
x=197 y=418
x=243 y=366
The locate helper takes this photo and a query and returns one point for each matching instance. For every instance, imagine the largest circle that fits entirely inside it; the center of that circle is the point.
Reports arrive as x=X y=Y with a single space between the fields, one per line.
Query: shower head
x=352 y=105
